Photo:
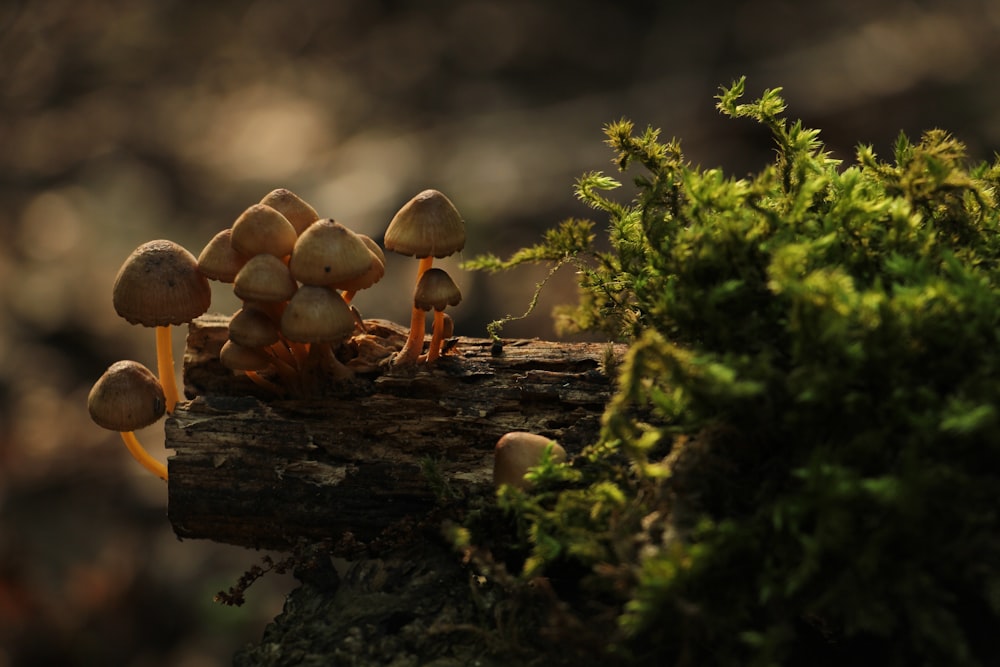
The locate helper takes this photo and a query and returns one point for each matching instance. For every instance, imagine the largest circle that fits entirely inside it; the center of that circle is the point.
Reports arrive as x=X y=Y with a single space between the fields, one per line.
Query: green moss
x=802 y=458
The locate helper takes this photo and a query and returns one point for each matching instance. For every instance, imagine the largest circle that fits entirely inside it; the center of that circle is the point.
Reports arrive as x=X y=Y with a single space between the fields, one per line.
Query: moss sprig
x=803 y=448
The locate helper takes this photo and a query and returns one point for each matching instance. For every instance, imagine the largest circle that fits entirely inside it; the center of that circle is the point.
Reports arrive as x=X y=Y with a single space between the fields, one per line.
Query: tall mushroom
x=125 y=398
x=427 y=226
x=436 y=290
x=159 y=285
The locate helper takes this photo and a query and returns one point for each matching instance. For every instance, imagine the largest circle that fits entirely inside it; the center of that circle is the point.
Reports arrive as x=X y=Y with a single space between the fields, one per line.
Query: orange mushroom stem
x=140 y=454
x=165 y=366
x=414 y=344
x=437 y=336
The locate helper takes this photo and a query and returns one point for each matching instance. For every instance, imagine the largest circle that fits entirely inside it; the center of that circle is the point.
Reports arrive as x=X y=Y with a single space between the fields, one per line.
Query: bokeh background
x=121 y=122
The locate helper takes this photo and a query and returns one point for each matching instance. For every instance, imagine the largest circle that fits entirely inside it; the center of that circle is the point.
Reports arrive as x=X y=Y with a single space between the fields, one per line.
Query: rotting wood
x=271 y=472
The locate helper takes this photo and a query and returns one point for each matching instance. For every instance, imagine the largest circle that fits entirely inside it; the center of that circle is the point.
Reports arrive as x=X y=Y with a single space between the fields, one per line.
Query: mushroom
x=517 y=452
x=253 y=328
x=436 y=290
x=251 y=360
x=264 y=278
x=125 y=398
x=296 y=211
x=159 y=285
x=262 y=229
x=218 y=260
x=374 y=273
x=427 y=226
x=318 y=316
x=328 y=253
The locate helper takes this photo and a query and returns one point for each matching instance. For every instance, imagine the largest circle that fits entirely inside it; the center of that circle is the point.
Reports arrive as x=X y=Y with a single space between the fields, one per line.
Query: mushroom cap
x=238 y=357
x=159 y=285
x=328 y=253
x=294 y=208
x=317 y=315
x=219 y=260
x=517 y=452
x=264 y=278
x=374 y=247
x=126 y=398
x=252 y=327
x=374 y=273
x=262 y=229
x=428 y=225
x=436 y=290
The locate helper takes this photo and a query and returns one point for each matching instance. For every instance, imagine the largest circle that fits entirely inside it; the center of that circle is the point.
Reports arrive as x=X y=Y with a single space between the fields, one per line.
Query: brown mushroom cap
x=376 y=250
x=238 y=357
x=517 y=452
x=264 y=278
x=328 y=253
x=296 y=211
x=252 y=327
x=374 y=273
x=126 y=398
x=219 y=260
x=159 y=285
x=436 y=290
x=317 y=315
x=262 y=229
x=428 y=225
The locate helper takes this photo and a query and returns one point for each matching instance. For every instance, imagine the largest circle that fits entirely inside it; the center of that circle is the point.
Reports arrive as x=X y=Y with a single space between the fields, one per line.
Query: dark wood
x=265 y=471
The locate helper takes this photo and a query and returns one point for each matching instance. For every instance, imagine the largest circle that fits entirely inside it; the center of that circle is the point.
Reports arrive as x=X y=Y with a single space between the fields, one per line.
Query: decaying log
x=259 y=470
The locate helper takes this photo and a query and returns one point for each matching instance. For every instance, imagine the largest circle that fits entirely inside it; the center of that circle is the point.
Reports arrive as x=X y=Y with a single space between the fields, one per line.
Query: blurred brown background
x=121 y=122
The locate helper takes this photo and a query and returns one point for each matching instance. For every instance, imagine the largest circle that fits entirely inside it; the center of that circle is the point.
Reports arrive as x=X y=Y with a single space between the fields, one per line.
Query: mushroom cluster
x=296 y=275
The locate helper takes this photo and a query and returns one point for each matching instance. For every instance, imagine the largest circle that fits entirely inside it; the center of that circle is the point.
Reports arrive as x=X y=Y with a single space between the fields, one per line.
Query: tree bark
x=337 y=457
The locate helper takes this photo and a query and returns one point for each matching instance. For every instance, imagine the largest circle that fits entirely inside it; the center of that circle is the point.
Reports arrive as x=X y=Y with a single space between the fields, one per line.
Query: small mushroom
x=125 y=398
x=294 y=208
x=264 y=278
x=435 y=290
x=319 y=316
x=427 y=226
x=252 y=360
x=218 y=260
x=261 y=229
x=374 y=273
x=517 y=452
x=328 y=253
x=159 y=285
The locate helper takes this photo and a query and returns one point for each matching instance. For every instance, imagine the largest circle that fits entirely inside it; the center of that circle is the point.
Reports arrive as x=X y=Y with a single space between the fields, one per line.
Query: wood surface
x=262 y=470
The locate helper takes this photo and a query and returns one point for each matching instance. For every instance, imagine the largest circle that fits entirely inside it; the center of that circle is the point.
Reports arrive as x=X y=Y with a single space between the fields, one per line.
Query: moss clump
x=802 y=459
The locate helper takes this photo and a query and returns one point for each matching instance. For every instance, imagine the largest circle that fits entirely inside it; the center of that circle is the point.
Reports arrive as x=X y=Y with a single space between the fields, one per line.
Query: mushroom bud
x=517 y=452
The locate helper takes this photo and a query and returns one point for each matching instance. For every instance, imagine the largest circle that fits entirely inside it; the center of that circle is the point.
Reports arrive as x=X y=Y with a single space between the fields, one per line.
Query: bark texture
x=350 y=458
